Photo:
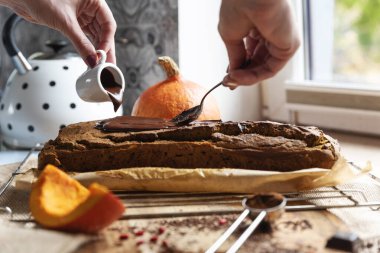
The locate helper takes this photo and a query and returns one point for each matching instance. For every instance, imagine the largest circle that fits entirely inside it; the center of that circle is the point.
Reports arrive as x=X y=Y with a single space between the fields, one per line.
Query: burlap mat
x=363 y=221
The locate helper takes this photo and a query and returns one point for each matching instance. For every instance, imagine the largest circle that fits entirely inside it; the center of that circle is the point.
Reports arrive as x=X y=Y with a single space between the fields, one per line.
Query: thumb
x=82 y=44
x=229 y=82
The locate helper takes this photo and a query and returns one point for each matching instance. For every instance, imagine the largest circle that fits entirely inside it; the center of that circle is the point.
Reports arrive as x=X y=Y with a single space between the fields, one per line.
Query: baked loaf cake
x=265 y=145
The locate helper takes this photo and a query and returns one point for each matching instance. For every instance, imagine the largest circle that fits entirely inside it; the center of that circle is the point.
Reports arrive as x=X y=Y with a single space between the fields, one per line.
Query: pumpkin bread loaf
x=266 y=146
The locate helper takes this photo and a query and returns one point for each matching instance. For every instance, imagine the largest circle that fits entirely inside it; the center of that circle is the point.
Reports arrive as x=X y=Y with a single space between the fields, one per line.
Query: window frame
x=290 y=97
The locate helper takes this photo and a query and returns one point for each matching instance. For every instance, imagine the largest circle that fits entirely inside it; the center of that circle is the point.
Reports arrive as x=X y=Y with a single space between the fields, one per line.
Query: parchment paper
x=215 y=180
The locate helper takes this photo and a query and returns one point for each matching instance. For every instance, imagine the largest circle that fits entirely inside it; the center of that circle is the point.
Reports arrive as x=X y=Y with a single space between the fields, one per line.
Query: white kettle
x=40 y=96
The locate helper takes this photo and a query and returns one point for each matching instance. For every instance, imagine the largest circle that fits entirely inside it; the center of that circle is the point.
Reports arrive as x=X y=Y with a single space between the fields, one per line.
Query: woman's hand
x=260 y=37
x=79 y=20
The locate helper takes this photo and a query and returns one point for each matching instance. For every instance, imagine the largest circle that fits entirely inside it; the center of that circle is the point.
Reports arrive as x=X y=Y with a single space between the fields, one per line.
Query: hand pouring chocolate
x=103 y=83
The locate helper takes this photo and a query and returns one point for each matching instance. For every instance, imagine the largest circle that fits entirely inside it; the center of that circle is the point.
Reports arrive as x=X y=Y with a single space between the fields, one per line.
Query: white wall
x=203 y=59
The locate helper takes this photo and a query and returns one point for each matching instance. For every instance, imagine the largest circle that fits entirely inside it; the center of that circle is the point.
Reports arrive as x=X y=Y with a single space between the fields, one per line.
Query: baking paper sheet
x=215 y=180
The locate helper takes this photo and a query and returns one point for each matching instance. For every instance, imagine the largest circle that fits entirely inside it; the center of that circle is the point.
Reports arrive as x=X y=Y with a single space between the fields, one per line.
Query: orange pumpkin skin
x=106 y=209
x=62 y=203
x=173 y=96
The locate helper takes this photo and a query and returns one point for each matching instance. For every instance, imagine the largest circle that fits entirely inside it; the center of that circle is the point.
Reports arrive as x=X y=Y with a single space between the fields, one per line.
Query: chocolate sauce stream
x=116 y=97
x=112 y=87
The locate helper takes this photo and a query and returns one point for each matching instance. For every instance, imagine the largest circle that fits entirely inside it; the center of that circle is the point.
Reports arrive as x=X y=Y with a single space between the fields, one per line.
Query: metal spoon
x=275 y=204
x=193 y=113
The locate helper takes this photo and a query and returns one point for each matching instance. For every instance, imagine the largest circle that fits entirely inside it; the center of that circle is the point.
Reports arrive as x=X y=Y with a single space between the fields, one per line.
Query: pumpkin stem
x=169 y=66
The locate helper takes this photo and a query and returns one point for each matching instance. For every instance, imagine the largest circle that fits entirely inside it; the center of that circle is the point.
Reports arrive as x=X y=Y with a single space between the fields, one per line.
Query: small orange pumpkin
x=173 y=96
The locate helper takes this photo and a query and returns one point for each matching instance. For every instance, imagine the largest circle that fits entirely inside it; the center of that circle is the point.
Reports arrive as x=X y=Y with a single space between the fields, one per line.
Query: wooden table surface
x=292 y=232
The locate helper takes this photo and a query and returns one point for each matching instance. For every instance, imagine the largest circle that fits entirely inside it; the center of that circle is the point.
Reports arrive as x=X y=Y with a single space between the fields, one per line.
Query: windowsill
x=359 y=149
x=333 y=87
x=344 y=95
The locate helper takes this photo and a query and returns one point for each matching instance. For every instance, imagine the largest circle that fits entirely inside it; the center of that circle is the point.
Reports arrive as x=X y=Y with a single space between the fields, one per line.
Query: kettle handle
x=20 y=62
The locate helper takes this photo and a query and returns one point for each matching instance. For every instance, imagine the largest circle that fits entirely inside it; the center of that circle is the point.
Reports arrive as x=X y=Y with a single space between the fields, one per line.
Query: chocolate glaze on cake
x=259 y=145
x=132 y=123
x=128 y=123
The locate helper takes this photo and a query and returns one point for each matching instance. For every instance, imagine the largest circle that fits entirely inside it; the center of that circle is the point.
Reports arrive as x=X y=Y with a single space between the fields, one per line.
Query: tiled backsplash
x=150 y=28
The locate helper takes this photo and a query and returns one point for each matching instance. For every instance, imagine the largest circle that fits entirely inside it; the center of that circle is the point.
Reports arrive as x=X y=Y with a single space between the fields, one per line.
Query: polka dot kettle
x=40 y=95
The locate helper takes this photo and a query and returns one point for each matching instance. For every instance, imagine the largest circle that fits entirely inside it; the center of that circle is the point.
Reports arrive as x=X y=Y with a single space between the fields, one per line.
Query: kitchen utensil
x=193 y=113
x=40 y=95
x=260 y=204
x=102 y=83
x=278 y=205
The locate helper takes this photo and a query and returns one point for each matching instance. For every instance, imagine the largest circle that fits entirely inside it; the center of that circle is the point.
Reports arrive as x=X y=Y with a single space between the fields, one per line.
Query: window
x=334 y=79
x=348 y=51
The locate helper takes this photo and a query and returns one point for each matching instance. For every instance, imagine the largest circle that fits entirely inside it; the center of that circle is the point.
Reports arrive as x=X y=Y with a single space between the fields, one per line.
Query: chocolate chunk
x=345 y=241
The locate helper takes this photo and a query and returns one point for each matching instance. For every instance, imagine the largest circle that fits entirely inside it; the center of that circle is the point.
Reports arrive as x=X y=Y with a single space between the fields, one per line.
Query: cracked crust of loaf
x=259 y=145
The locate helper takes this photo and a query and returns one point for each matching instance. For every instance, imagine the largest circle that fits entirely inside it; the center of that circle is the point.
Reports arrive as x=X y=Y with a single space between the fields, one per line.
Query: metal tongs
x=259 y=206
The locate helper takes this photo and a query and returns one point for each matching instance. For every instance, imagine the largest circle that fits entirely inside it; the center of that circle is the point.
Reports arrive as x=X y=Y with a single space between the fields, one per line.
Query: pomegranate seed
x=139 y=242
x=222 y=221
x=161 y=230
x=154 y=238
x=123 y=237
x=139 y=233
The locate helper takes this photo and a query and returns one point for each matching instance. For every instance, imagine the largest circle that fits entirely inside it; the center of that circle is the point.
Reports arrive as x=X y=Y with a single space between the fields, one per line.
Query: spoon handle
x=236 y=246
x=208 y=92
x=228 y=232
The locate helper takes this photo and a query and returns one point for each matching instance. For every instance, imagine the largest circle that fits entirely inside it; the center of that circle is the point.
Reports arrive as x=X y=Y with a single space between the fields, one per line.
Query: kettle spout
x=20 y=62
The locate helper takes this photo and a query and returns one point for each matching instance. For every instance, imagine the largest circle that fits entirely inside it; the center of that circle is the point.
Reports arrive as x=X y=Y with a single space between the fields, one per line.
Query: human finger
x=111 y=54
x=233 y=27
x=253 y=75
x=236 y=53
x=251 y=42
x=82 y=44
x=96 y=26
x=93 y=32
x=25 y=15
x=229 y=82
x=258 y=56
x=107 y=25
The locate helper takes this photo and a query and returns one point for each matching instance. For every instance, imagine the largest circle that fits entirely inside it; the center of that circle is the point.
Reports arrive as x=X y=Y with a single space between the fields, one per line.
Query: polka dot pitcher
x=40 y=96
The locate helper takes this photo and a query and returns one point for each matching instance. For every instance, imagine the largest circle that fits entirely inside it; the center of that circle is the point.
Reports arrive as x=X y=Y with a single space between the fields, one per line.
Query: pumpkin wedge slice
x=59 y=202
